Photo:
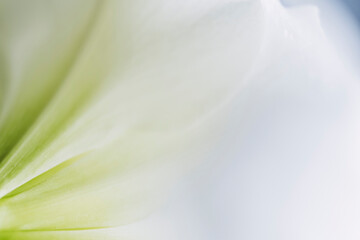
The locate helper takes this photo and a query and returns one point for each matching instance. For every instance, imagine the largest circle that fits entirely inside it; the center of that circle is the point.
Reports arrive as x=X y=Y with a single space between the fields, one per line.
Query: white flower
x=105 y=104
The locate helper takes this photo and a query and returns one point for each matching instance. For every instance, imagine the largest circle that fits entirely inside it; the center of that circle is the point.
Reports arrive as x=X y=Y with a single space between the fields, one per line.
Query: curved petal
x=136 y=106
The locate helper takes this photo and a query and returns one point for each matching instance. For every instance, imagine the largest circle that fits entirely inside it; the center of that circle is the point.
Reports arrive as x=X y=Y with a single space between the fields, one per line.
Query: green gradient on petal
x=112 y=107
x=84 y=234
x=28 y=90
x=76 y=89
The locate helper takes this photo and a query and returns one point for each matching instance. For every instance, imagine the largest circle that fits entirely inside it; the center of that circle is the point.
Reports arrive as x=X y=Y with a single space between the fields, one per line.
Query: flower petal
x=135 y=107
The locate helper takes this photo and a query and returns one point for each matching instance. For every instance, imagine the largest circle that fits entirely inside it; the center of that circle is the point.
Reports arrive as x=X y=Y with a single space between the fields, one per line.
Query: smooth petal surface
x=105 y=103
x=290 y=164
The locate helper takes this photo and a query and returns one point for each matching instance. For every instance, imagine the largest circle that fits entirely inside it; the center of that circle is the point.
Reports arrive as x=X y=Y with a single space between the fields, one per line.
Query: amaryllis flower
x=105 y=104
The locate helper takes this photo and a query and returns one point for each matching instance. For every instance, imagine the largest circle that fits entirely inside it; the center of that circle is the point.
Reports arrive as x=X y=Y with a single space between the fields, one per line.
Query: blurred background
x=288 y=166
x=285 y=163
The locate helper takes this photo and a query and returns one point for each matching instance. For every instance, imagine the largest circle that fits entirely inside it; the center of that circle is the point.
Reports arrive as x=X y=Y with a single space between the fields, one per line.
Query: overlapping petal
x=105 y=102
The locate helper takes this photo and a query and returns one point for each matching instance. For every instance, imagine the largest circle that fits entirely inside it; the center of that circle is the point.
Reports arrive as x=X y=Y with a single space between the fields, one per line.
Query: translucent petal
x=121 y=99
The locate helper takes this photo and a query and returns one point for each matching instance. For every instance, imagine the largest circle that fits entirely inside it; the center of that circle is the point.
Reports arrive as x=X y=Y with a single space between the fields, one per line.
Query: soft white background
x=288 y=166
